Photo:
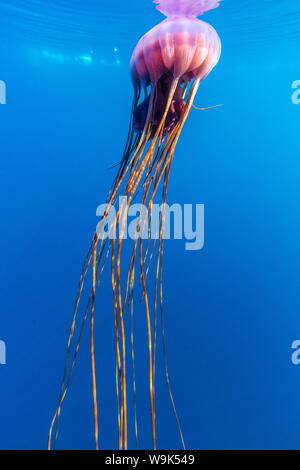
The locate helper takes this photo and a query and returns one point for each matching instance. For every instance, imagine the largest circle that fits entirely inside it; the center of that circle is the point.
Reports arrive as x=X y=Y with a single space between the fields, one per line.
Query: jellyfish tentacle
x=210 y=107
x=134 y=375
x=129 y=300
x=92 y=349
x=121 y=316
x=130 y=143
x=150 y=348
x=118 y=354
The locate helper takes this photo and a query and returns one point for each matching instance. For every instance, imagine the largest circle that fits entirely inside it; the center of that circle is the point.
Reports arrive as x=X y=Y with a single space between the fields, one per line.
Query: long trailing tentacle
x=92 y=345
x=210 y=107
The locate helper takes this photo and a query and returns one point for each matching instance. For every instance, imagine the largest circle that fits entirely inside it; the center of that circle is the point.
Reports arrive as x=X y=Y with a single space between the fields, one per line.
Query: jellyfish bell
x=180 y=50
x=185 y=47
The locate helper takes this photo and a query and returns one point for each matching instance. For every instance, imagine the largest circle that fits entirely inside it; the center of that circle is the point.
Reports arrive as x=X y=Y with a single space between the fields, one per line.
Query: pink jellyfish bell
x=172 y=59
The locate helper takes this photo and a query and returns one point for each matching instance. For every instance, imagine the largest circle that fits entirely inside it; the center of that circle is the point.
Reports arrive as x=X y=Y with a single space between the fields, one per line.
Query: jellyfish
x=167 y=66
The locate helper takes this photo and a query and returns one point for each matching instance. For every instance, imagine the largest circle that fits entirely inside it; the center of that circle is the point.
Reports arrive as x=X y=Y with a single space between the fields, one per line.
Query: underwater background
x=233 y=308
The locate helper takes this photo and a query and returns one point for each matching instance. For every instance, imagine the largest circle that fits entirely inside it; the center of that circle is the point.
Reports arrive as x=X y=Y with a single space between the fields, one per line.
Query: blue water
x=232 y=309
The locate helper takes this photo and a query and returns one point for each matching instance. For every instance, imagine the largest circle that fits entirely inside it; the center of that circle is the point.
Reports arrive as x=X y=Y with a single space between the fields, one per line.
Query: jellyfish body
x=179 y=50
x=184 y=47
x=167 y=66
